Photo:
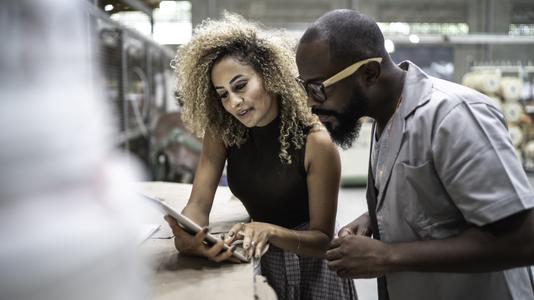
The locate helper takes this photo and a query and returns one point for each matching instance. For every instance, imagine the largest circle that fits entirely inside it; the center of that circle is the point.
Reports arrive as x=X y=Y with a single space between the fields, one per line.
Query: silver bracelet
x=298 y=238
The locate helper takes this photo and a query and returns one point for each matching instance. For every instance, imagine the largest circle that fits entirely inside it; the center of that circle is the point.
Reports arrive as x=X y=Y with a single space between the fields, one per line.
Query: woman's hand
x=189 y=244
x=255 y=236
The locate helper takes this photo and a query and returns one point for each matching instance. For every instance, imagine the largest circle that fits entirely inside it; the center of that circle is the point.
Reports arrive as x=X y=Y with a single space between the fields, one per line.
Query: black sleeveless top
x=271 y=191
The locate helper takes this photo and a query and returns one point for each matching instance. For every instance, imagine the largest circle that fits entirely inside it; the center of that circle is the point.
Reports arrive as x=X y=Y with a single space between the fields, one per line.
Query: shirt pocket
x=427 y=208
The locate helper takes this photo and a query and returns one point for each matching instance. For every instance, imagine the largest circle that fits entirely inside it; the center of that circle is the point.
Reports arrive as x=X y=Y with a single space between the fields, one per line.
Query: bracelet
x=298 y=238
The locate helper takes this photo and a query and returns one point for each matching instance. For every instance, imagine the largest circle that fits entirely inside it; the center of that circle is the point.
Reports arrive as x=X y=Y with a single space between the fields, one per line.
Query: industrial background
x=485 y=44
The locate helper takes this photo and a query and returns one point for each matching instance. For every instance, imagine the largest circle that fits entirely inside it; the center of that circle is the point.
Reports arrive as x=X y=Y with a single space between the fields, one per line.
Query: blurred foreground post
x=65 y=229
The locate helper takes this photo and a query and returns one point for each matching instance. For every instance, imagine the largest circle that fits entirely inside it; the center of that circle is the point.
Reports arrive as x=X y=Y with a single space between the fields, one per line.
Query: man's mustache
x=325 y=112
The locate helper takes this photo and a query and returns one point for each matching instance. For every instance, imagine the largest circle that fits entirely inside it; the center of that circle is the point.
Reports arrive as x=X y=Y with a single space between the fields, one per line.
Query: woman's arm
x=206 y=180
x=199 y=205
x=323 y=169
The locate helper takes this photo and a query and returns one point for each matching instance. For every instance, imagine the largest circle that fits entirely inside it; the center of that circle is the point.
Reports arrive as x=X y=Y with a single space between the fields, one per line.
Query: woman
x=240 y=95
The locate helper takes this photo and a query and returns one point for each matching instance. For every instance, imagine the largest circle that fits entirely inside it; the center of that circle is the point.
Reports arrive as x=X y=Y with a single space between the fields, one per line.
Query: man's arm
x=504 y=244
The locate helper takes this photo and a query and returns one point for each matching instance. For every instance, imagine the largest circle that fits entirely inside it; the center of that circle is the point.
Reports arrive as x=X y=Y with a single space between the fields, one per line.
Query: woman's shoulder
x=319 y=142
x=321 y=151
x=317 y=134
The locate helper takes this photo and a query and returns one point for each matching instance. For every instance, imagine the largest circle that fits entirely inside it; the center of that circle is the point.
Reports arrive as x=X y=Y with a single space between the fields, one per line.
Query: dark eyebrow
x=236 y=78
x=231 y=81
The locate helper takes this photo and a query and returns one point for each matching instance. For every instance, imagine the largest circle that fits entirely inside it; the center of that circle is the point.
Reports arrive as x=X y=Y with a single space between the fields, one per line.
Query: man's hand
x=193 y=244
x=360 y=226
x=501 y=245
x=358 y=256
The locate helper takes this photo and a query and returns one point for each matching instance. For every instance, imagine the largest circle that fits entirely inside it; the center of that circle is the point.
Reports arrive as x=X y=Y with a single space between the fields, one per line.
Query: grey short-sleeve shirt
x=450 y=165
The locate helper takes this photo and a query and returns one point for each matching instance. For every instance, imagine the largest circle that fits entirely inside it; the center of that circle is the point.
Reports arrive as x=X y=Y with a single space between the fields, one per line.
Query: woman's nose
x=235 y=100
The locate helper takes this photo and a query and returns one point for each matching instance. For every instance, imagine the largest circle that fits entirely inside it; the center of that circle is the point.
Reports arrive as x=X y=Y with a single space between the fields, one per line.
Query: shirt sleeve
x=476 y=162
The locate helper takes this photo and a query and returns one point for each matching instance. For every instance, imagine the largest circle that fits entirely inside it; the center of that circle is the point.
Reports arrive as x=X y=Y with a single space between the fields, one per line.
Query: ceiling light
x=414 y=38
x=389 y=45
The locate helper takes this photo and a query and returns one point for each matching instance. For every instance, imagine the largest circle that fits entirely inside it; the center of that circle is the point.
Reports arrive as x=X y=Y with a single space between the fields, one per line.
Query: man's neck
x=393 y=85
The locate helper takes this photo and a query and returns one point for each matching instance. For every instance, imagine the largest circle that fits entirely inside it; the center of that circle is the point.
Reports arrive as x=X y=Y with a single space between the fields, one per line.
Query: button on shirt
x=447 y=164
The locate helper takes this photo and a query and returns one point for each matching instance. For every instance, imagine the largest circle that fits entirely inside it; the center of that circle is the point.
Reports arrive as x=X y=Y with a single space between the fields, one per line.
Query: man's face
x=345 y=103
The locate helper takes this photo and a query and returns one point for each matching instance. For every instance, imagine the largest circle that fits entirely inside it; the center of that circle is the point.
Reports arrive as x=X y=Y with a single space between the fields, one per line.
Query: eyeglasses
x=316 y=89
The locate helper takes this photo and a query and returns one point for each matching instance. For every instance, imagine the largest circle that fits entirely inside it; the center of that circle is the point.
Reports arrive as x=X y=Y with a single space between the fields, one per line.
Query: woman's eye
x=223 y=96
x=240 y=85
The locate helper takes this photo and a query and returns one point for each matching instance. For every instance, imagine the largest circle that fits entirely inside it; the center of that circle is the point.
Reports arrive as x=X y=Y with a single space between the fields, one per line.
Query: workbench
x=175 y=276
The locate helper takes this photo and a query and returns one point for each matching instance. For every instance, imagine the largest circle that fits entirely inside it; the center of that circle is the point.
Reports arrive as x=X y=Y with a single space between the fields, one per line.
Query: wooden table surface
x=175 y=276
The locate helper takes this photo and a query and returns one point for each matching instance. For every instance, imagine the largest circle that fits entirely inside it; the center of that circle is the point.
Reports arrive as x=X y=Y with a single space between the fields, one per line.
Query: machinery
x=139 y=84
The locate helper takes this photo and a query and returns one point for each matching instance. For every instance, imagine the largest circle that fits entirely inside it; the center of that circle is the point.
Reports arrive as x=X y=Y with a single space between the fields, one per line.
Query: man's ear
x=371 y=72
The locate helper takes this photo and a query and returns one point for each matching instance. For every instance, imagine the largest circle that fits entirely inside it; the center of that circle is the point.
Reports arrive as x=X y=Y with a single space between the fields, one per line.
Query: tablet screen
x=189 y=225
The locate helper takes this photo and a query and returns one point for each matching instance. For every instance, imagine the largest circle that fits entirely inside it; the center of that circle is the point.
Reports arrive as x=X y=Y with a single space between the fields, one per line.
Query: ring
x=253 y=243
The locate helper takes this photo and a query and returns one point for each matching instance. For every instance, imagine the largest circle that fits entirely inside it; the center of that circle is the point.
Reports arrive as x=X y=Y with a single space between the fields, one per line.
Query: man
x=449 y=204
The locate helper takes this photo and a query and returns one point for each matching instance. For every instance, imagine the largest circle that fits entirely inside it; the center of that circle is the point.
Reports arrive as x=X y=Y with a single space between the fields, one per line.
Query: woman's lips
x=244 y=113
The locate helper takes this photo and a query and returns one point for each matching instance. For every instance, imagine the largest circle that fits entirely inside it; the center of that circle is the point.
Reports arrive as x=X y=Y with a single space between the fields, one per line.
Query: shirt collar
x=417 y=88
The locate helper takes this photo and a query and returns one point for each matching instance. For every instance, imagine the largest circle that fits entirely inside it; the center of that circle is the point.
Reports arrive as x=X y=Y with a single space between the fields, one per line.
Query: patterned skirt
x=295 y=277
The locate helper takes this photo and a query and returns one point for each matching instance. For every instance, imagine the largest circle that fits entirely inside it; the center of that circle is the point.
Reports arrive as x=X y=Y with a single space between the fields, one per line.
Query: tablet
x=190 y=226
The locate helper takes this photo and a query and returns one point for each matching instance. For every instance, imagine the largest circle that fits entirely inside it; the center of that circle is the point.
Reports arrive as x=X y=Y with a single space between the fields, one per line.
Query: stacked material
x=529 y=150
x=513 y=112
x=516 y=134
x=511 y=88
x=485 y=82
x=497 y=101
x=505 y=92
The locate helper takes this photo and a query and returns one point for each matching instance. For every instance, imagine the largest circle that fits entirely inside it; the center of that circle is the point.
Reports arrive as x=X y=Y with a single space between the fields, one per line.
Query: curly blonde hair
x=269 y=54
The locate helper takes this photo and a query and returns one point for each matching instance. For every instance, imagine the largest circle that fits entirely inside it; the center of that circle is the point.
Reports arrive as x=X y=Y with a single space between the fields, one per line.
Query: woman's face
x=242 y=94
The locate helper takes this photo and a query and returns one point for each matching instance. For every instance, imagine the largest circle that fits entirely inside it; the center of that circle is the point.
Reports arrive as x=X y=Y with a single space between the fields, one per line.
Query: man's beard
x=349 y=125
